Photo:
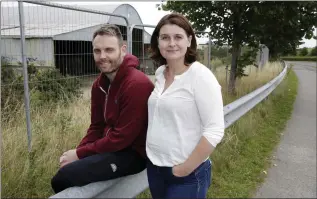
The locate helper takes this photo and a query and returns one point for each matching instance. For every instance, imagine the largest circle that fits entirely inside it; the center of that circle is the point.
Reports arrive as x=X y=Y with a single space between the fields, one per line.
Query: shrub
x=45 y=86
x=303 y=52
x=299 y=58
x=50 y=86
x=313 y=52
x=12 y=91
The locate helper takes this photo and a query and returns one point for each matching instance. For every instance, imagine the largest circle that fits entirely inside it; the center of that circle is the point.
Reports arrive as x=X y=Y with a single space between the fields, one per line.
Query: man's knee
x=60 y=181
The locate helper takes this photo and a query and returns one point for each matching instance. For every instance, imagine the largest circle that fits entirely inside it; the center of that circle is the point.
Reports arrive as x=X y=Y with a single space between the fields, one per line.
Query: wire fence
x=141 y=48
x=46 y=53
x=47 y=65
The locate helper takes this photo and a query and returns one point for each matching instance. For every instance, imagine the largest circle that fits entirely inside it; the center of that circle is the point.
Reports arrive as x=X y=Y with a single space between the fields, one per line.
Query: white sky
x=151 y=15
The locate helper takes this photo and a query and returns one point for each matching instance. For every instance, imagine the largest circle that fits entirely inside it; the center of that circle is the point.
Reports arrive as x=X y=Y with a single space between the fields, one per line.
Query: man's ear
x=124 y=49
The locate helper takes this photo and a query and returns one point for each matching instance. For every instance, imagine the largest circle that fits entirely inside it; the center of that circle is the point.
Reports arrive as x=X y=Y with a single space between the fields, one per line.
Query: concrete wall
x=84 y=34
x=40 y=48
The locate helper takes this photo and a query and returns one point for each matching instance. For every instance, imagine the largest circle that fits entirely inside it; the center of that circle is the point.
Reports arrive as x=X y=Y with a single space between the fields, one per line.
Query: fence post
x=25 y=74
x=130 y=32
x=143 y=50
x=0 y=90
x=209 y=53
x=0 y=46
x=227 y=76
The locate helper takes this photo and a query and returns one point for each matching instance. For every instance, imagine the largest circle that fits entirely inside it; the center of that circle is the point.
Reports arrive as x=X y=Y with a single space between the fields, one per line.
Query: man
x=115 y=142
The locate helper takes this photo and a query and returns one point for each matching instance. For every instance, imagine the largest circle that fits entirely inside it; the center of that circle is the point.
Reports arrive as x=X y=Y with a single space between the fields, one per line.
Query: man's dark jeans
x=99 y=167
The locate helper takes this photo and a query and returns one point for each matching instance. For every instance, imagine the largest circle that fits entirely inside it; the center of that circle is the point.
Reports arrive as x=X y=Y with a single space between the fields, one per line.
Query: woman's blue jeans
x=163 y=184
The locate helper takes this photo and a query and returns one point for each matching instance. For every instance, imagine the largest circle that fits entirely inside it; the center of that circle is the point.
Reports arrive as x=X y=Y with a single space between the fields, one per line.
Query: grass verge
x=54 y=130
x=244 y=154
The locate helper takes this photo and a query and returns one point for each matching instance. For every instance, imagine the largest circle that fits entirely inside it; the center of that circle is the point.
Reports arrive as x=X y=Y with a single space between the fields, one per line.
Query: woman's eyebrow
x=164 y=34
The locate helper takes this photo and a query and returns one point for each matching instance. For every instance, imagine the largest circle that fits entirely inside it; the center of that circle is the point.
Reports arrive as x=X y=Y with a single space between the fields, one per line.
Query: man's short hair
x=110 y=30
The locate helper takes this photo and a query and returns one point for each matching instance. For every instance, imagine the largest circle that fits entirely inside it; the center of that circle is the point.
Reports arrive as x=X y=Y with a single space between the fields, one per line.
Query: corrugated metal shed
x=59 y=37
x=44 y=21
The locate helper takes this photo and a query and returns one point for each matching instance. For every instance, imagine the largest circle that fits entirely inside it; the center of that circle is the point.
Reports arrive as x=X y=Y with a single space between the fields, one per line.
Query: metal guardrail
x=236 y=109
x=131 y=186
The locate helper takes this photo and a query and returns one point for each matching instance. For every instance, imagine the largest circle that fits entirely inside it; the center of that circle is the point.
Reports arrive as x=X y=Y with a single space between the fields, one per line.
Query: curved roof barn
x=63 y=24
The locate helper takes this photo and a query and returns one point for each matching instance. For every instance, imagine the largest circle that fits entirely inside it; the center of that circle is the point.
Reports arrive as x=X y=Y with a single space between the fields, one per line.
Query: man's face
x=108 y=54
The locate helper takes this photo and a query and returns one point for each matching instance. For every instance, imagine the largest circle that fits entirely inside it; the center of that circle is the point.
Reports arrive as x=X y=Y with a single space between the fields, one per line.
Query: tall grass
x=57 y=128
x=255 y=79
x=216 y=62
x=54 y=130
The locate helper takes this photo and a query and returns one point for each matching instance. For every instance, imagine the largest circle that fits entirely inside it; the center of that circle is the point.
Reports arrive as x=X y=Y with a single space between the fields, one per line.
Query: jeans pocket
x=208 y=172
x=172 y=173
x=209 y=164
x=201 y=171
x=179 y=177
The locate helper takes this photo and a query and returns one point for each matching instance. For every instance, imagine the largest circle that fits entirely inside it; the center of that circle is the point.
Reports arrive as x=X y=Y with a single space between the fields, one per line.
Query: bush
x=248 y=57
x=313 y=52
x=299 y=58
x=12 y=91
x=303 y=51
x=45 y=86
x=50 y=86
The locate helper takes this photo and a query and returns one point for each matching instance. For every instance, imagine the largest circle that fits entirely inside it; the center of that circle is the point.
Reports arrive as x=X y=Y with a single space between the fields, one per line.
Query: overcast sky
x=150 y=15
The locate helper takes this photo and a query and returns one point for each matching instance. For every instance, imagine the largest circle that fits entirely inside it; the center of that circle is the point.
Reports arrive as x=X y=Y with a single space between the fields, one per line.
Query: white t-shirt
x=191 y=107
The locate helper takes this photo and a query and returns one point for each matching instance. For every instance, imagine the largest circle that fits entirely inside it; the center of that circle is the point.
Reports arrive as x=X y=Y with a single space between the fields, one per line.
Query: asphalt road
x=293 y=171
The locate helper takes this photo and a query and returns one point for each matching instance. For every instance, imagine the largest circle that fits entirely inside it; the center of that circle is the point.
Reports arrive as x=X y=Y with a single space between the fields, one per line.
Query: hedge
x=300 y=58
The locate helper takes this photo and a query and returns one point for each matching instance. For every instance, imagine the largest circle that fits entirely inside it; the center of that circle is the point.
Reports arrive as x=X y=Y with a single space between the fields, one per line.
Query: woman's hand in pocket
x=180 y=170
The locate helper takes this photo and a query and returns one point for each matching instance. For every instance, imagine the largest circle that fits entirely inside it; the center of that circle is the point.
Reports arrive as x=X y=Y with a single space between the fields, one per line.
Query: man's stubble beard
x=117 y=64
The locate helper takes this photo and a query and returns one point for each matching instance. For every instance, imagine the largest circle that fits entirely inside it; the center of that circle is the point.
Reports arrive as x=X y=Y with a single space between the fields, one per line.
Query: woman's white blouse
x=191 y=107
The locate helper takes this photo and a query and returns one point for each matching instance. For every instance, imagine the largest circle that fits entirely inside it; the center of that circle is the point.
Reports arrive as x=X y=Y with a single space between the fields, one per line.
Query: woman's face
x=173 y=42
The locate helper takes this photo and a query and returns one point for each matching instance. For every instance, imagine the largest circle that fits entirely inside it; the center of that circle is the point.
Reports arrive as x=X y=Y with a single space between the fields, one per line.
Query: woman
x=185 y=114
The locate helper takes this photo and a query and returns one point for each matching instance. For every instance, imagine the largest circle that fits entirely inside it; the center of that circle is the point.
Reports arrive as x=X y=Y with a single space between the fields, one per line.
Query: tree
x=249 y=23
x=282 y=25
x=313 y=52
x=303 y=52
x=228 y=22
x=218 y=51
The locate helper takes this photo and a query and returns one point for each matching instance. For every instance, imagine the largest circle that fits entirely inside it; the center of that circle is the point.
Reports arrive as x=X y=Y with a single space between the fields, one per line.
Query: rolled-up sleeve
x=208 y=97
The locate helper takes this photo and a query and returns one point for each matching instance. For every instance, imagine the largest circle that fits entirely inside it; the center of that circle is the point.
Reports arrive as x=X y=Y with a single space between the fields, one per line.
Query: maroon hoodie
x=119 y=111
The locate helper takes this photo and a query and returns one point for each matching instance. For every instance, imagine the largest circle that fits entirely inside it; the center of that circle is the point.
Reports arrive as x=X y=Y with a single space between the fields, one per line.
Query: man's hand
x=68 y=157
x=181 y=170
